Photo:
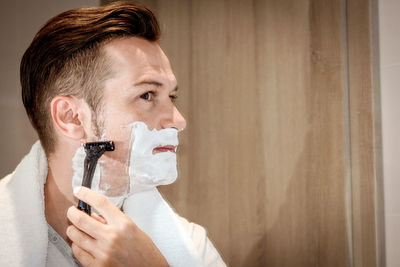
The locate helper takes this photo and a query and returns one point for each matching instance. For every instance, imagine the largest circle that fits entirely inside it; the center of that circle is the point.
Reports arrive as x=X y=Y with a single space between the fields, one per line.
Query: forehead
x=138 y=57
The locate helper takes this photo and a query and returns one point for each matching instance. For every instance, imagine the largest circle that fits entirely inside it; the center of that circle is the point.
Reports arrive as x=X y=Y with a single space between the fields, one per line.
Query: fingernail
x=77 y=190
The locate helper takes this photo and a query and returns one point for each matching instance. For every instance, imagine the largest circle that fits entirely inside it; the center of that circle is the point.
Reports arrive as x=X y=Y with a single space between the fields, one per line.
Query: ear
x=68 y=116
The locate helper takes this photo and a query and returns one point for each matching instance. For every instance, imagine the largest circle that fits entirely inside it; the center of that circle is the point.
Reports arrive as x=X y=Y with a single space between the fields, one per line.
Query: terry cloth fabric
x=155 y=217
x=24 y=230
x=23 y=227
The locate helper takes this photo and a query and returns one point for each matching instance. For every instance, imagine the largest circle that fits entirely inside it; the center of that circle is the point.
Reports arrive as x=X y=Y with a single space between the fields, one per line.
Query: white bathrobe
x=24 y=230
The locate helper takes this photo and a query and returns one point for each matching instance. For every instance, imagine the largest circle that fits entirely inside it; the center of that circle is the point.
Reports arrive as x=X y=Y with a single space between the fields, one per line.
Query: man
x=93 y=74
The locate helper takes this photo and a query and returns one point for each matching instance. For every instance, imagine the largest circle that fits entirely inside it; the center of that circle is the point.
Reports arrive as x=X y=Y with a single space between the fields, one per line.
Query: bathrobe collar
x=24 y=230
x=23 y=226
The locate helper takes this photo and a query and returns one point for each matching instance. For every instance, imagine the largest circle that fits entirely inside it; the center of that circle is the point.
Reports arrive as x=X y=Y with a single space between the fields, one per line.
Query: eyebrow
x=148 y=83
x=153 y=83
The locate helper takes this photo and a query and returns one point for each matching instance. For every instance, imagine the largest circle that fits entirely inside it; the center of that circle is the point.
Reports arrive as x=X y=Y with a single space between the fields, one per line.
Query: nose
x=174 y=119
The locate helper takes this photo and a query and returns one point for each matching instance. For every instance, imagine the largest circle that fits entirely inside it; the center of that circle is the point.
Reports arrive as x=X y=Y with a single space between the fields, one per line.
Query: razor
x=94 y=150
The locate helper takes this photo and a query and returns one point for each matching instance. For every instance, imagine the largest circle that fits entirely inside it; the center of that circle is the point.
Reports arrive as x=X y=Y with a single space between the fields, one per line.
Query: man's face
x=142 y=88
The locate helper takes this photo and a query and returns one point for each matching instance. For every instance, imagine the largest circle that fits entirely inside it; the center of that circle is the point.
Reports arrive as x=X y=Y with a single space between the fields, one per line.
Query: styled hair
x=66 y=58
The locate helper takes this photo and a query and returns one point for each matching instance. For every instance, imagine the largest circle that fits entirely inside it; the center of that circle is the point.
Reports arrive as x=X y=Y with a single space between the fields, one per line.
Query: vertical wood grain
x=303 y=69
x=365 y=136
x=280 y=158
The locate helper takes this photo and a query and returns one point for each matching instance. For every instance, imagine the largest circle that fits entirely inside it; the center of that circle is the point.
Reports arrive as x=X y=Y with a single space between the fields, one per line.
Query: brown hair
x=65 y=58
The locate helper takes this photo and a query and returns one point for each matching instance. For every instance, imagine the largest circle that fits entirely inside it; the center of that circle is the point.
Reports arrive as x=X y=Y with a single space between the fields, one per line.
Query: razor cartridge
x=94 y=150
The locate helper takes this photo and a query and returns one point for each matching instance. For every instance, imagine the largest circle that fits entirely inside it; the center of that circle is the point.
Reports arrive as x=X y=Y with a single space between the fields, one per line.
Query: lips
x=160 y=149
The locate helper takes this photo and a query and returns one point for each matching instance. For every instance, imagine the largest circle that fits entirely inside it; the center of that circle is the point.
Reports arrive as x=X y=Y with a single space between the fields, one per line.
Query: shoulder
x=4 y=182
x=204 y=246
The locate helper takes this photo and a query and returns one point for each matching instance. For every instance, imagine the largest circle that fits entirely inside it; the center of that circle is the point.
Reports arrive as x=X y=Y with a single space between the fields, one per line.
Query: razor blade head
x=105 y=146
x=94 y=150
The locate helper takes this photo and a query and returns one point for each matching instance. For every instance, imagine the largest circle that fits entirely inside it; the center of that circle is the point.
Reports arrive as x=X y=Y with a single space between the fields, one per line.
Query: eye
x=147 y=96
x=173 y=98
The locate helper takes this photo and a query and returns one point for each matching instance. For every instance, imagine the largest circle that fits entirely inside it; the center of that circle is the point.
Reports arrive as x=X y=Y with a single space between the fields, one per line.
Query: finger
x=98 y=202
x=84 y=257
x=85 y=223
x=98 y=218
x=81 y=239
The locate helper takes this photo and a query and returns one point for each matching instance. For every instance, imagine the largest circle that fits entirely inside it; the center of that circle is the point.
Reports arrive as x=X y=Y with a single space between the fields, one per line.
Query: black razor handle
x=94 y=151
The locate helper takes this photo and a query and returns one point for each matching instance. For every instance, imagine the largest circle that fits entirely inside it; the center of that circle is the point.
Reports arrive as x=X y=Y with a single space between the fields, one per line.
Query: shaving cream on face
x=116 y=191
x=147 y=169
x=142 y=169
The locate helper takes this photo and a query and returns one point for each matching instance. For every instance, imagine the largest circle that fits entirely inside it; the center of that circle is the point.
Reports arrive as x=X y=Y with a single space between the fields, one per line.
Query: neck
x=58 y=192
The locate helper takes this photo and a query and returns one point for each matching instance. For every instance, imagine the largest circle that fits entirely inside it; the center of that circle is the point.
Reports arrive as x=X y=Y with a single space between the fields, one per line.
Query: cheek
x=117 y=118
x=151 y=117
x=121 y=136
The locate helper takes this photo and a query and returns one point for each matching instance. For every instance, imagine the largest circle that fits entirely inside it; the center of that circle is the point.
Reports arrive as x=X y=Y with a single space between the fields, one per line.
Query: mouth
x=160 y=149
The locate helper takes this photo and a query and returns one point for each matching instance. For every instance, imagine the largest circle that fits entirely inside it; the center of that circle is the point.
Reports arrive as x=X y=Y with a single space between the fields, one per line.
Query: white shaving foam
x=146 y=170
x=78 y=166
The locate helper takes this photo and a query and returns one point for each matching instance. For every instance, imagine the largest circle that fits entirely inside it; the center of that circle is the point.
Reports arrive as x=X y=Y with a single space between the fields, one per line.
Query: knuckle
x=83 y=192
x=77 y=236
x=127 y=226
x=79 y=239
x=113 y=239
x=69 y=231
x=76 y=250
x=84 y=241
x=79 y=220
x=105 y=258
x=124 y=226
x=71 y=213
x=100 y=201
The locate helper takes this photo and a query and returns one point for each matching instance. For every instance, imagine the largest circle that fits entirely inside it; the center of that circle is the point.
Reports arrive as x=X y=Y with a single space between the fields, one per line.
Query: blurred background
x=290 y=157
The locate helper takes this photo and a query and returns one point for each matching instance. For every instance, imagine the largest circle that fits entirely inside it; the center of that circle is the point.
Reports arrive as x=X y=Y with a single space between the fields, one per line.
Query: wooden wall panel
x=366 y=157
x=278 y=160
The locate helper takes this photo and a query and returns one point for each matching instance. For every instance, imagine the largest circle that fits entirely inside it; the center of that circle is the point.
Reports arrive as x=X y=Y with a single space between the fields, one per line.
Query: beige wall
x=389 y=19
x=19 y=22
x=277 y=159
